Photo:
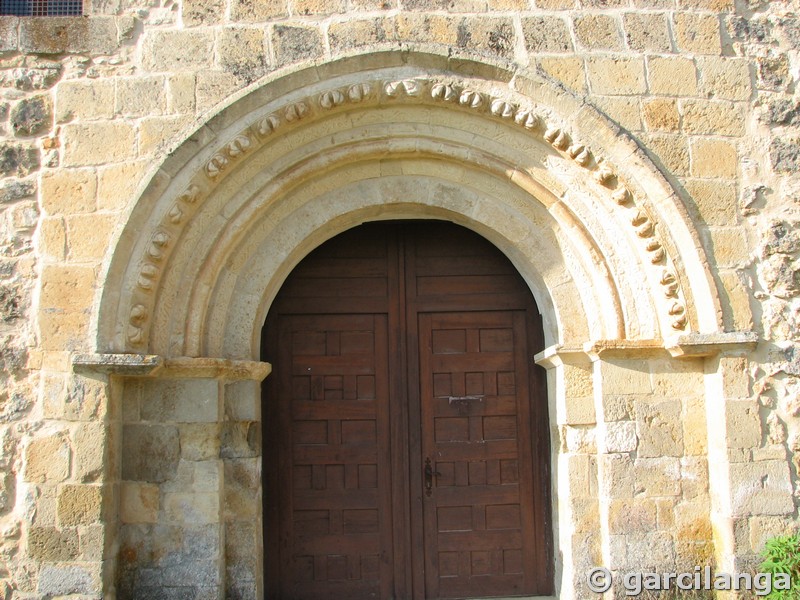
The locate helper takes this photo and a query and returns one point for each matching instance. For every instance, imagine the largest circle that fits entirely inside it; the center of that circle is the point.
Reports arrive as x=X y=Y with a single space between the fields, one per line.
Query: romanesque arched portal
x=599 y=236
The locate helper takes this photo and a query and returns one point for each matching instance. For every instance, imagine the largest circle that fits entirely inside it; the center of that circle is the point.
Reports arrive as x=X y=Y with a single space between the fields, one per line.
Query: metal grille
x=41 y=8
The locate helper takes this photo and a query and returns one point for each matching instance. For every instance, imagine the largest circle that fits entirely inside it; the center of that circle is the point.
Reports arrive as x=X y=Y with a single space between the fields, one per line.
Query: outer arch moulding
x=488 y=99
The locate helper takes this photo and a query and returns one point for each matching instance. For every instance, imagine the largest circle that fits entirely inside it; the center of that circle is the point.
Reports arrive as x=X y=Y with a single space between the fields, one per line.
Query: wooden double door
x=406 y=450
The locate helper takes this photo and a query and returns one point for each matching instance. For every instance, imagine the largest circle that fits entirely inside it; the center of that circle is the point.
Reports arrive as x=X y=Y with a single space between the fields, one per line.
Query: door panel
x=336 y=516
x=392 y=344
x=472 y=374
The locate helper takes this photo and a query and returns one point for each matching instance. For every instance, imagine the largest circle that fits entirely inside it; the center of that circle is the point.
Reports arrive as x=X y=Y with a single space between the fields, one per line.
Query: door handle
x=429 y=475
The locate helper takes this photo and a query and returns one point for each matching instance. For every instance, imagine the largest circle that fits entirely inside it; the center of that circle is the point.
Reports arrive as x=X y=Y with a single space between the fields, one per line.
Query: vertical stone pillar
x=187 y=467
x=574 y=454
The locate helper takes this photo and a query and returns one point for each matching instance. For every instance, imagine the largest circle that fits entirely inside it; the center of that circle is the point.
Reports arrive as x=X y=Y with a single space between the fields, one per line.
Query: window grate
x=41 y=8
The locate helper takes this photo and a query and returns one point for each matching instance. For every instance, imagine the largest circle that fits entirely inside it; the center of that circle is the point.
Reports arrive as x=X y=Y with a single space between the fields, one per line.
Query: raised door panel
x=476 y=447
x=335 y=533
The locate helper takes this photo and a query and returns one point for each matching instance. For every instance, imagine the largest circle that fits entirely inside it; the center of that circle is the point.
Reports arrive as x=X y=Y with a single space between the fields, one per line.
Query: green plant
x=782 y=555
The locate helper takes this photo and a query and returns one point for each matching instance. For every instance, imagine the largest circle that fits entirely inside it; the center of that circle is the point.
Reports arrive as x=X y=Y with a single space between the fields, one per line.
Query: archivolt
x=602 y=239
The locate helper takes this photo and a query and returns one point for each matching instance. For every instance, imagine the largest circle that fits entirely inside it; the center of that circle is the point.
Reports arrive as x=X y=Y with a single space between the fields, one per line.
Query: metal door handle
x=429 y=475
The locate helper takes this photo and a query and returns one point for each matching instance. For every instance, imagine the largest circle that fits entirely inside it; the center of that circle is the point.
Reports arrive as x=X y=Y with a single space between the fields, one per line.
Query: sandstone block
x=724 y=78
x=581 y=470
x=242 y=401
x=140 y=96
x=647 y=32
x=175 y=50
x=193 y=508
x=695 y=428
x=568 y=71
x=322 y=7
x=672 y=151
x=47 y=459
x=159 y=133
x=180 y=93
x=358 y=32
x=150 y=452
x=69 y=191
x=579 y=440
x=213 y=87
x=64 y=580
x=79 y=505
x=31 y=116
x=89 y=236
x=555 y=4
x=18 y=160
x=657 y=477
x=81 y=99
x=659 y=429
x=692 y=522
x=743 y=424
x=244 y=10
x=97 y=143
x=578 y=411
x=242 y=52
x=616 y=475
x=490 y=35
x=180 y=401
x=715 y=200
x=68 y=35
x=616 y=76
x=661 y=114
x=240 y=535
x=8 y=33
x=433 y=28
x=737 y=301
x=762 y=488
x=621 y=436
x=139 y=502
x=546 y=34
x=714 y=158
x=618 y=408
x=712 y=5
x=596 y=31
x=629 y=377
x=203 y=12
x=764 y=528
x=712 y=117
x=52 y=545
x=698 y=33
x=117 y=184
x=694 y=477
x=200 y=441
x=52 y=238
x=668 y=76
x=731 y=248
x=603 y=4
x=622 y=109
x=240 y=440
x=736 y=380
x=94 y=544
x=242 y=480
x=90 y=454
x=293 y=43
x=632 y=516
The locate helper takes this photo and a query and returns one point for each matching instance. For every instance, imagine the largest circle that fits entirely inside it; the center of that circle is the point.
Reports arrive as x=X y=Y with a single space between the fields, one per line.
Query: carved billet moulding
x=461 y=93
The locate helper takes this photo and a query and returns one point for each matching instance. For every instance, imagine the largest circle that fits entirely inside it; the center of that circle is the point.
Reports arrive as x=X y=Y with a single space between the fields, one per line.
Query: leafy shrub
x=782 y=555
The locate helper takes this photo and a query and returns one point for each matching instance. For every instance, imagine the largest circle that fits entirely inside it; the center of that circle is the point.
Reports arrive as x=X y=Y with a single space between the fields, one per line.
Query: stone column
x=574 y=456
x=187 y=469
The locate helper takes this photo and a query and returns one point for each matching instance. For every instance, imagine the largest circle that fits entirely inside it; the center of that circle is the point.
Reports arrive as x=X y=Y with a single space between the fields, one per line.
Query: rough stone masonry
x=130 y=436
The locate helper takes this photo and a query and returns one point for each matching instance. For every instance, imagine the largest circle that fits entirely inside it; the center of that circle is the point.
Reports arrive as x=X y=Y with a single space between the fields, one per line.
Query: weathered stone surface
x=79 y=505
x=785 y=155
x=47 y=459
x=597 y=32
x=762 y=488
x=244 y=10
x=621 y=436
x=8 y=34
x=59 y=35
x=52 y=545
x=177 y=50
x=698 y=33
x=180 y=401
x=18 y=160
x=242 y=52
x=84 y=100
x=139 y=502
x=150 y=452
x=31 y=115
x=546 y=34
x=354 y=33
x=296 y=42
x=647 y=32
x=60 y=581
x=16 y=190
x=239 y=440
x=203 y=12
x=659 y=430
x=616 y=76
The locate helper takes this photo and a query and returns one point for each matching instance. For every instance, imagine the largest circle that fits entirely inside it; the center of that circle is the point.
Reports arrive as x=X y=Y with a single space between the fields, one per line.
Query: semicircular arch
x=602 y=239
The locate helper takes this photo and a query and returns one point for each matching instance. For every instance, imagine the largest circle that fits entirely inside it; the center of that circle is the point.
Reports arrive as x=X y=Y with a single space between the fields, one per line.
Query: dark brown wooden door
x=406 y=450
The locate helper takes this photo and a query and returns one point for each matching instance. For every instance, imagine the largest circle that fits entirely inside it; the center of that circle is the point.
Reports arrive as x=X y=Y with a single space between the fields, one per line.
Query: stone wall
x=89 y=108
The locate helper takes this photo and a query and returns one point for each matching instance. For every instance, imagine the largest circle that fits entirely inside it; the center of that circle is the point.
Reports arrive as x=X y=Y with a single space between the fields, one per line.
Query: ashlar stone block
x=761 y=488
x=79 y=505
x=48 y=459
x=150 y=452
x=659 y=429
